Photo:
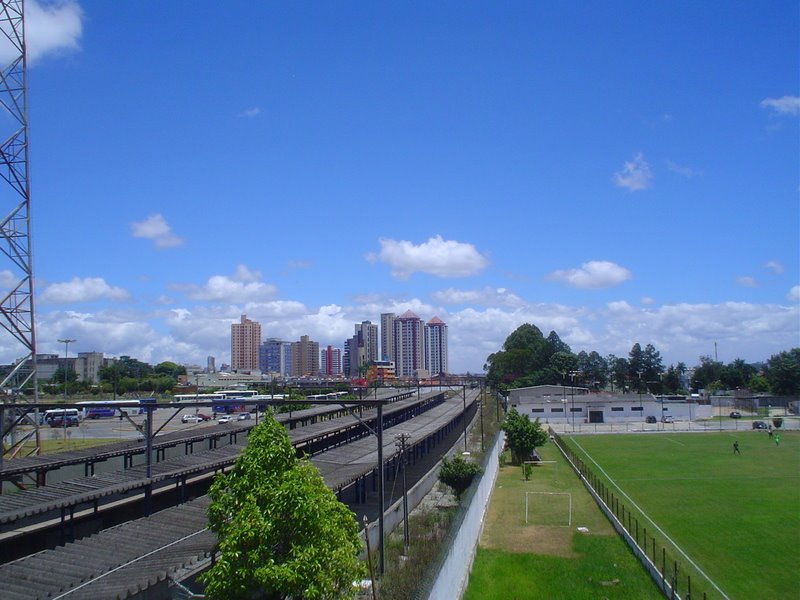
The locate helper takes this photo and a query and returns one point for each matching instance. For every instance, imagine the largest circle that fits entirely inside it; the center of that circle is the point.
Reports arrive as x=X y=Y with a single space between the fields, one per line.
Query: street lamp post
x=66 y=343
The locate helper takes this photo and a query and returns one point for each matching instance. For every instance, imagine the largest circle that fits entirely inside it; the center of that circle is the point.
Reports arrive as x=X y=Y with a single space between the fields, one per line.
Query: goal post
x=551 y=509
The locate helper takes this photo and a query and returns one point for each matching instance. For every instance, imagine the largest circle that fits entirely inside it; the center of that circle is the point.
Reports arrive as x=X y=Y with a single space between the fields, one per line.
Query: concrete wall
x=452 y=579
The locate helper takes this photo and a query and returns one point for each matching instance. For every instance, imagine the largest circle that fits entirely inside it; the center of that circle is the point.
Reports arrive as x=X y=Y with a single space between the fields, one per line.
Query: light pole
x=66 y=343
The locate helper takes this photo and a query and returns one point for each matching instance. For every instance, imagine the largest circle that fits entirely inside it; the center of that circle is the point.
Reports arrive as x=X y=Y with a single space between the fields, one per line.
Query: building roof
x=408 y=315
x=436 y=321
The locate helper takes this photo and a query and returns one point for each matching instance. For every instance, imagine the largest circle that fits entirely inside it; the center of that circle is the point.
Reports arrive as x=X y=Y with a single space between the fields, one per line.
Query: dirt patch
x=550 y=541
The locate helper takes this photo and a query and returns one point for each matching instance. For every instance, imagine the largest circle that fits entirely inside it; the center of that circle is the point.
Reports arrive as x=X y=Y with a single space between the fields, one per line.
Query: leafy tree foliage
x=457 y=474
x=282 y=533
x=737 y=374
x=593 y=368
x=528 y=358
x=170 y=369
x=522 y=435
x=758 y=383
x=707 y=373
x=783 y=372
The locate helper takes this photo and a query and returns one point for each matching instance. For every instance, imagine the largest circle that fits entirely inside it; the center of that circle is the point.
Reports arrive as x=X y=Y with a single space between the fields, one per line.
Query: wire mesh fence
x=662 y=559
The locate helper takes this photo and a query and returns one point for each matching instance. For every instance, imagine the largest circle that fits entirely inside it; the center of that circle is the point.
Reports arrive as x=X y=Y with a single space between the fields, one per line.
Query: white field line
x=661 y=531
x=669 y=439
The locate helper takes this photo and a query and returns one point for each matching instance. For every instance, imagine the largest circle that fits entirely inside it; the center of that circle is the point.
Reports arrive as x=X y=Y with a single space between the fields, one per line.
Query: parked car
x=244 y=417
x=194 y=418
x=667 y=419
x=225 y=419
x=759 y=425
x=736 y=415
x=650 y=419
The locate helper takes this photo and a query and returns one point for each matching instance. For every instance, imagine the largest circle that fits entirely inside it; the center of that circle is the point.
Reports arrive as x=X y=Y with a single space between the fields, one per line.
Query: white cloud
x=635 y=174
x=156 y=228
x=51 y=28
x=592 y=275
x=483 y=297
x=794 y=294
x=241 y=287
x=8 y=280
x=646 y=301
x=187 y=335
x=299 y=264
x=746 y=281
x=687 y=172
x=786 y=105
x=774 y=266
x=78 y=290
x=250 y=113
x=442 y=258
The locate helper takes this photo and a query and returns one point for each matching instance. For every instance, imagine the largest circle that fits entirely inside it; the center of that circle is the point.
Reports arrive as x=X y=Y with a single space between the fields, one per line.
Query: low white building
x=568 y=404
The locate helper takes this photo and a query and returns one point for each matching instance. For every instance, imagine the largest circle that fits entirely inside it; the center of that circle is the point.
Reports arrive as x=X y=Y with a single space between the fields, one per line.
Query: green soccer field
x=735 y=517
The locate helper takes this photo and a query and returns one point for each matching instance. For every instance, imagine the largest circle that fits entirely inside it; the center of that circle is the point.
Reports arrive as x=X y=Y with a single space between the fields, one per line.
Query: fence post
x=674 y=578
x=663 y=567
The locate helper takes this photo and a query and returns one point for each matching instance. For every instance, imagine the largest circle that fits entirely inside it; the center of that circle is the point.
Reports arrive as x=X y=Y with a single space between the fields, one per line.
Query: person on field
x=777 y=438
x=736 y=447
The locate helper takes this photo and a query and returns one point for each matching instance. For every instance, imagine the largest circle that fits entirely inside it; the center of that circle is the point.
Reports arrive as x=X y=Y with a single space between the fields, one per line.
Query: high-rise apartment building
x=275 y=357
x=245 y=342
x=387 y=336
x=408 y=344
x=331 y=363
x=436 y=347
x=305 y=357
x=368 y=336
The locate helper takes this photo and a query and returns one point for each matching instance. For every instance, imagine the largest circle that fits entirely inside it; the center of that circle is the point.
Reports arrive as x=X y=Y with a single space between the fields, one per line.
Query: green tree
x=170 y=369
x=708 y=372
x=758 y=383
x=457 y=474
x=783 y=372
x=523 y=436
x=282 y=533
x=594 y=369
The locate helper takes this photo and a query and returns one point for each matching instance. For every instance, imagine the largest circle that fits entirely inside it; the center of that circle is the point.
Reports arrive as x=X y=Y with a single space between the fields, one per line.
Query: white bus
x=58 y=417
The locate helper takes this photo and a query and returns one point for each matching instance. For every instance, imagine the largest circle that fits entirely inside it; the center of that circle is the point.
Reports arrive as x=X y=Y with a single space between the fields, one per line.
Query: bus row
x=92 y=409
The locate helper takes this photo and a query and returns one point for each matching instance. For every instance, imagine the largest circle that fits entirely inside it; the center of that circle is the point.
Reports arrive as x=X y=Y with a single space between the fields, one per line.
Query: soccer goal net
x=552 y=509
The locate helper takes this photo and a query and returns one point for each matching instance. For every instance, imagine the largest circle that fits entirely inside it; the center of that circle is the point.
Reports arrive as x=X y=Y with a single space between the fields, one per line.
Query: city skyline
x=617 y=176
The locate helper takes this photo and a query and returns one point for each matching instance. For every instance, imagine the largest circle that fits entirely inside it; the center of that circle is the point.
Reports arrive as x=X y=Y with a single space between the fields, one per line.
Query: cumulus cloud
x=484 y=297
x=250 y=113
x=51 y=28
x=794 y=294
x=8 y=280
x=156 y=228
x=785 y=105
x=594 y=274
x=243 y=286
x=79 y=290
x=774 y=266
x=635 y=174
x=746 y=281
x=439 y=257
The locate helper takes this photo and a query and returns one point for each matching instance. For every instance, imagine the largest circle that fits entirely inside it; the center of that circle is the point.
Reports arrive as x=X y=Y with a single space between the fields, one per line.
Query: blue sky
x=618 y=172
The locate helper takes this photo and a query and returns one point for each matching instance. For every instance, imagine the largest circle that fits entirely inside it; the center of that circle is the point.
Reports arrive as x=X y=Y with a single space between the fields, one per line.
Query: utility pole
x=402 y=440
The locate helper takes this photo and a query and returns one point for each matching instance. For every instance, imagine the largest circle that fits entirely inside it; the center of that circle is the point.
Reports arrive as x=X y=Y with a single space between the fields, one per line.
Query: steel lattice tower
x=16 y=306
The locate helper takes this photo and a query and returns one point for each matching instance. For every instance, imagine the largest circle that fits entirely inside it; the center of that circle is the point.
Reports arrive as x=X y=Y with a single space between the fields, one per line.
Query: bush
x=777 y=422
x=457 y=474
